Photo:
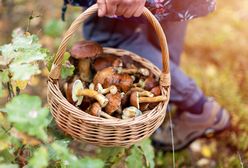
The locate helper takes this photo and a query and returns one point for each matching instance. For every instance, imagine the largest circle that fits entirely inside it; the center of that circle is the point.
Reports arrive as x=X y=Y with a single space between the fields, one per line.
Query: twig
x=240 y=159
x=10 y=90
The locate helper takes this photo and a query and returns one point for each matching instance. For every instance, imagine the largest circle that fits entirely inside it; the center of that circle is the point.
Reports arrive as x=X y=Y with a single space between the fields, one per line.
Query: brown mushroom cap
x=126 y=82
x=103 y=62
x=86 y=49
x=134 y=99
x=150 y=83
x=114 y=102
x=156 y=91
x=95 y=109
x=102 y=75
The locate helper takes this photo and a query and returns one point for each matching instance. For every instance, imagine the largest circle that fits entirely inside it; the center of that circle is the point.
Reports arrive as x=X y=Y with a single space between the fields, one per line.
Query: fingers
x=139 y=11
x=111 y=7
x=126 y=8
x=102 y=8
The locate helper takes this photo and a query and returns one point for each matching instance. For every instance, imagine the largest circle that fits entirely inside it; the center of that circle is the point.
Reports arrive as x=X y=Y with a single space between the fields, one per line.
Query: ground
x=215 y=56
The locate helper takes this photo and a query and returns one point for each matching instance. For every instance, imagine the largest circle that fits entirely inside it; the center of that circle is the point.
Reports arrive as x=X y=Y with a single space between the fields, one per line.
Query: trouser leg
x=134 y=37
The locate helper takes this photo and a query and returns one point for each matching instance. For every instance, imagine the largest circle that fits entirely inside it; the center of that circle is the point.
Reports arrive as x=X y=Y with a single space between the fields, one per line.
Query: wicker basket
x=100 y=131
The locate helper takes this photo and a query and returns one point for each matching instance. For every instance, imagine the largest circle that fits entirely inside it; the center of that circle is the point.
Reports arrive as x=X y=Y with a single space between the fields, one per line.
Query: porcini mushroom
x=126 y=82
x=135 y=99
x=83 y=50
x=112 y=89
x=96 y=110
x=78 y=92
x=114 y=102
x=131 y=112
x=156 y=91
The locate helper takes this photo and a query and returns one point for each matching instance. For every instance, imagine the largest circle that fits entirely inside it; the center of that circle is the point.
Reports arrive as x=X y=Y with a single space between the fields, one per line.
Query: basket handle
x=56 y=66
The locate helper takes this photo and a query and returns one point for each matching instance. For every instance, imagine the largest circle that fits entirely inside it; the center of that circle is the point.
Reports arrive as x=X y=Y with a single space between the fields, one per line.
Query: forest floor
x=215 y=56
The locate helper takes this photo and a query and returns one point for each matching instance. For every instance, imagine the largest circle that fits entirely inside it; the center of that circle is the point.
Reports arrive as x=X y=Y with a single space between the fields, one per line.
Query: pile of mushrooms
x=109 y=86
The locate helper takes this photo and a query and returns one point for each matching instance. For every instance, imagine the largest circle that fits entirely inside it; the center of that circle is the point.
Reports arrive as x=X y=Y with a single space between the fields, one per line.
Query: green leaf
x=148 y=152
x=27 y=115
x=91 y=163
x=67 y=70
x=9 y=166
x=1 y=89
x=135 y=159
x=67 y=159
x=23 y=71
x=54 y=28
x=112 y=155
x=66 y=57
x=40 y=158
x=4 y=76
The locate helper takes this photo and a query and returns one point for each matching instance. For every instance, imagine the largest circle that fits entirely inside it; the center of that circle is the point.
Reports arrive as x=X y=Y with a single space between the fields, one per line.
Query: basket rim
x=159 y=110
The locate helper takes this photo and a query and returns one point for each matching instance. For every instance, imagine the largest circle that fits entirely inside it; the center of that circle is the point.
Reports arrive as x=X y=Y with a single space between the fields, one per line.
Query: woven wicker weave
x=101 y=131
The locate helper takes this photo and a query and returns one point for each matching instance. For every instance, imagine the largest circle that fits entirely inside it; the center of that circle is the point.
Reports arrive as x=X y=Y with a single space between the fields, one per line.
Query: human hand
x=126 y=8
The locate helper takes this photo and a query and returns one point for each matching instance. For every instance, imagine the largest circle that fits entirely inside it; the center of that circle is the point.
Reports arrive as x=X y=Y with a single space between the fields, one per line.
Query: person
x=197 y=115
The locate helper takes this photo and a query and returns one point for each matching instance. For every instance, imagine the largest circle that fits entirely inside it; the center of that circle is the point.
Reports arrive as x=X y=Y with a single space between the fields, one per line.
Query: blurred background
x=216 y=56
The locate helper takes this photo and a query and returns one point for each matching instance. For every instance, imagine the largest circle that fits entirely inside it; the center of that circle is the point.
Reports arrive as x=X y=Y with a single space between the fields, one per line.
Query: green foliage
x=39 y=159
x=9 y=166
x=21 y=54
x=135 y=159
x=54 y=28
x=69 y=160
x=148 y=152
x=67 y=68
x=27 y=115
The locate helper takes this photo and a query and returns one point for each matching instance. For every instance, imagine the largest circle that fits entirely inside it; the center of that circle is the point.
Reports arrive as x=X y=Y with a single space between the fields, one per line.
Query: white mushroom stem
x=142 y=71
x=103 y=101
x=145 y=93
x=105 y=115
x=152 y=99
x=92 y=86
x=112 y=89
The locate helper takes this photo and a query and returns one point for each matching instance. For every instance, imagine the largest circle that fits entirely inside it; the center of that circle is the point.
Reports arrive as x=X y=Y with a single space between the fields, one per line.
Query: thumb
x=102 y=8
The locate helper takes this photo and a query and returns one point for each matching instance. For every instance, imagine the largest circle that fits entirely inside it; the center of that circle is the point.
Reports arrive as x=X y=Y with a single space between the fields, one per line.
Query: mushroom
x=126 y=96
x=96 y=110
x=135 y=99
x=117 y=63
x=83 y=50
x=103 y=74
x=126 y=82
x=131 y=112
x=78 y=92
x=133 y=70
x=114 y=102
x=112 y=89
x=140 y=84
x=156 y=91
x=150 y=83
x=103 y=62
x=122 y=81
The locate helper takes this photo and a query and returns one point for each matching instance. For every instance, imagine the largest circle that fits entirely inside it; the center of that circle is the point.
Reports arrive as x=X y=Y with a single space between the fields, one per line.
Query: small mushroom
x=126 y=82
x=96 y=110
x=83 y=50
x=77 y=85
x=133 y=70
x=114 y=102
x=117 y=63
x=78 y=92
x=140 y=84
x=103 y=74
x=150 y=83
x=131 y=112
x=112 y=89
x=156 y=91
x=135 y=100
